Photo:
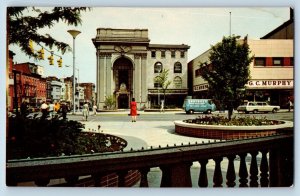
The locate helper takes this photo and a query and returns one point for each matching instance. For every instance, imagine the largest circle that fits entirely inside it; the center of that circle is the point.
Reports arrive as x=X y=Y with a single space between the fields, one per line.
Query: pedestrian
x=162 y=105
x=51 y=109
x=290 y=104
x=44 y=109
x=85 y=111
x=24 y=108
x=64 y=110
x=95 y=109
x=133 y=111
x=56 y=107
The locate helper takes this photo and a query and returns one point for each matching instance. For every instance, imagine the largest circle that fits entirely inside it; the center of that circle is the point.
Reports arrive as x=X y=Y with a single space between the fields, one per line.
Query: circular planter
x=229 y=132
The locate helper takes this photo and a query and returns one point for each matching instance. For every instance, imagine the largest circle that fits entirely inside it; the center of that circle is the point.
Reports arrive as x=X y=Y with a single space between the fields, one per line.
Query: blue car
x=198 y=105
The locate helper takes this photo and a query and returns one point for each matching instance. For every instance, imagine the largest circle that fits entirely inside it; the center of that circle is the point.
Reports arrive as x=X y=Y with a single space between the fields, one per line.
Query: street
x=172 y=116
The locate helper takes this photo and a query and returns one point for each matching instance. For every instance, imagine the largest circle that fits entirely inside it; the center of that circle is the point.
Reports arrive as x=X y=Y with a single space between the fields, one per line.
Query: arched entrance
x=123 y=77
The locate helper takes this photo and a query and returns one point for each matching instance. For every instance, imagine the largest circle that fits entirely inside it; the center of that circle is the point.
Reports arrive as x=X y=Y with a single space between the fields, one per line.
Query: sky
x=198 y=27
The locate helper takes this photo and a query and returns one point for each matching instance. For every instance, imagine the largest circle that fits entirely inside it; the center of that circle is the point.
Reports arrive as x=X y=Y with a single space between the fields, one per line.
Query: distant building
x=271 y=72
x=10 y=82
x=127 y=65
x=89 y=90
x=31 y=87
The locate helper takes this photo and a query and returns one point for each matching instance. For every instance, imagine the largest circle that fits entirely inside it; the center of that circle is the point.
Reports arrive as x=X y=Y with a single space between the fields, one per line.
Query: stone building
x=127 y=64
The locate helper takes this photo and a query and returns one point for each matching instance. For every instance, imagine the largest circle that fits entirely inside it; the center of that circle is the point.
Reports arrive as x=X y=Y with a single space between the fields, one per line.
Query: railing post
x=253 y=170
x=42 y=182
x=166 y=176
x=202 y=181
x=243 y=173
x=121 y=178
x=144 y=179
x=230 y=176
x=218 y=179
x=264 y=169
x=71 y=180
x=97 y=179
x=179 y=175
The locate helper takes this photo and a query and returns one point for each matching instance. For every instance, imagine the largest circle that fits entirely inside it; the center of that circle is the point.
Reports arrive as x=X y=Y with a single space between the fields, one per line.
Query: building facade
x=89 y=89
x=271 y=72
x=127 y=65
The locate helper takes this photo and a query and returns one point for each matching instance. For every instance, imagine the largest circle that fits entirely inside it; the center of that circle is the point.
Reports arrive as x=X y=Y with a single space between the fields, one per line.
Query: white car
x=256 y=107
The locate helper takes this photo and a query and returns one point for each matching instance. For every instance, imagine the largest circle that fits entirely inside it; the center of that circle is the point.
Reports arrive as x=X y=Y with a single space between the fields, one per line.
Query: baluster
x=166 y=176
x=42 y=182
x=97 y=179
x=202 y=181
x=71 y=180
x=230 y=176
x=121 y=178
x=144 y=179
x=253 y=170
x=243 y=173
x=218 y=178
x=264 y=169
x=179 y=175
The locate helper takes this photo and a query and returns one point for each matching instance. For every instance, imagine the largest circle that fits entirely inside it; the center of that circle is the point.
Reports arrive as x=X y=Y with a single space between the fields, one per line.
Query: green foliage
x=22 y=26
x=110 y=102
x=235 y=121
x=162 y=79
x=228 y=72
x=43 y=138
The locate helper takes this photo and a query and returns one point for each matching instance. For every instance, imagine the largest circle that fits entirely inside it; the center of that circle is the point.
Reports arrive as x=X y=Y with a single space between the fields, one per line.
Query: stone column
x=101 y=85
x=144 y=93
x=108 y=75
x=137 y=78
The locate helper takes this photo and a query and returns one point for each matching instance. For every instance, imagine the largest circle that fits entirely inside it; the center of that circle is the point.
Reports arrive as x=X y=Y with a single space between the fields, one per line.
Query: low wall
x=228 y=132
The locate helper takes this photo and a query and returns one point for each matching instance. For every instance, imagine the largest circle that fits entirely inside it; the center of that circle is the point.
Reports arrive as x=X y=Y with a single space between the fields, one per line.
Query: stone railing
x=275 y=165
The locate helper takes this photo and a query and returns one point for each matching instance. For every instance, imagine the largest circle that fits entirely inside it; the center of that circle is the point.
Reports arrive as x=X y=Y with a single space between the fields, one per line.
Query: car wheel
x=274 y=110
x=255 y=111
x=208 y=111
x=191 y=111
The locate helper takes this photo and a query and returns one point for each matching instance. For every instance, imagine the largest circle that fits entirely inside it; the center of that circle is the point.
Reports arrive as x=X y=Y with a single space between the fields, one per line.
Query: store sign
x=201 y=87
x=270 y=84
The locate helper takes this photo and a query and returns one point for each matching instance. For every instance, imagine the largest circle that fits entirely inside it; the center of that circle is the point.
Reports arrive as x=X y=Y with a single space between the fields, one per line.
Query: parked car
x=198 y=105
x=256 y=107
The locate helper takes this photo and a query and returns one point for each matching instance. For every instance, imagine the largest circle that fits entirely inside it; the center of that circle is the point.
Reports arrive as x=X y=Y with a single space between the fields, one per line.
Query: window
x=177 y=82
x=277 y=61
x=156 y=83
x=260 y=61
x=177 y=67
x=158 y=67
x=163 y=54
x=173 y=54
x=181 y=54
x=153 y=54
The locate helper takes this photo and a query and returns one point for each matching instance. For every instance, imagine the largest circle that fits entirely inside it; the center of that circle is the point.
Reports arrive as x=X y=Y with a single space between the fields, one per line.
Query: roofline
x=169 y=46
x=278 y=29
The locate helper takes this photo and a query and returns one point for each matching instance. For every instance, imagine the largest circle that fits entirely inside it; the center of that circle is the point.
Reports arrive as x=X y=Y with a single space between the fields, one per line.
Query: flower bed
x=218 y=127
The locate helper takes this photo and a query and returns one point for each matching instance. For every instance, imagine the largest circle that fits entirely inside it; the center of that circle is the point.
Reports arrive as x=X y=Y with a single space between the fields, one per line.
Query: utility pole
x=229 y=23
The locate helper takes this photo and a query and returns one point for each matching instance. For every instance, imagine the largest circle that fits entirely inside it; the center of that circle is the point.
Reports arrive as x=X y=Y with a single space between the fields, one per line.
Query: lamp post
x=74 y=33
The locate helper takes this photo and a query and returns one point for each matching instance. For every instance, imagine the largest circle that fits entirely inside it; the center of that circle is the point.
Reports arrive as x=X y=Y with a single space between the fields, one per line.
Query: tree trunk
x=230 y=112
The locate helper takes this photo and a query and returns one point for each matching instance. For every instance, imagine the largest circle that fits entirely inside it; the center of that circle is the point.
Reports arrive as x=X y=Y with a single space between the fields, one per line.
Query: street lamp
x=74 y=33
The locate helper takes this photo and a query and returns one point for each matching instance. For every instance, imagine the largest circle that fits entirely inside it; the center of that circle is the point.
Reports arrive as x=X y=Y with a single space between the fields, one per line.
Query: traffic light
x=31 y=46
x=59 y=61
x=41 y=54
x=50 y=58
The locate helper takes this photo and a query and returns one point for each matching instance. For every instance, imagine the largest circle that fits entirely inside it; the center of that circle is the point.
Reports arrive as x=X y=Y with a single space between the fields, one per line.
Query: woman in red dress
x=133 y=111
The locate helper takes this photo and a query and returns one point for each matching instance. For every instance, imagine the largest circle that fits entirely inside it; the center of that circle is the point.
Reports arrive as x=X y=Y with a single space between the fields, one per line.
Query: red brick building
x=89 y=89
x=29 y=85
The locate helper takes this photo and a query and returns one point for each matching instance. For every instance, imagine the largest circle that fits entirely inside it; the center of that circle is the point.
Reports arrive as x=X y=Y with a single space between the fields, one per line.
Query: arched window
x=157 y=84
x=158 y=67
x=177 y=82
x=177 y=67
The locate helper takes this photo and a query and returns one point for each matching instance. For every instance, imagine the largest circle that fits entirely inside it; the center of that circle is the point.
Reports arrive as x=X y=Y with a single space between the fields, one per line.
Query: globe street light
x=74 y=33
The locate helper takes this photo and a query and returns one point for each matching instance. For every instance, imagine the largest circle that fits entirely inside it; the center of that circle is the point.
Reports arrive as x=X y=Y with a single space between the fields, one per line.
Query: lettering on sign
x=201 y=87
x=270 y=83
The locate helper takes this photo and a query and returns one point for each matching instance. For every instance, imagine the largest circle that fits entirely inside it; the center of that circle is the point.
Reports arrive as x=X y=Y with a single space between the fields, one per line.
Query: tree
x=22 y=28
x=163 y=82
x=228 y=71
